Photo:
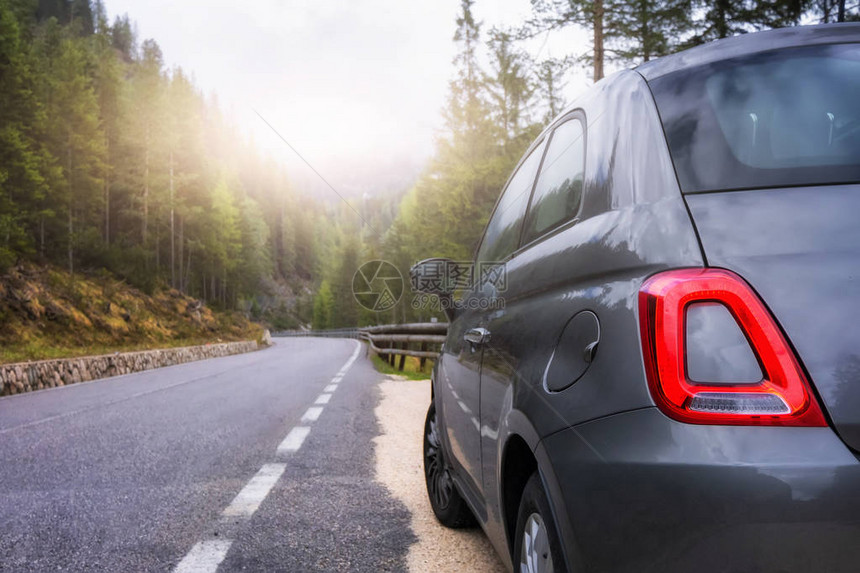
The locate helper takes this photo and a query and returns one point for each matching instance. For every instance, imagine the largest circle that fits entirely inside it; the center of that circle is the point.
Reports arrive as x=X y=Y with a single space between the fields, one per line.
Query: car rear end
x=749 y=462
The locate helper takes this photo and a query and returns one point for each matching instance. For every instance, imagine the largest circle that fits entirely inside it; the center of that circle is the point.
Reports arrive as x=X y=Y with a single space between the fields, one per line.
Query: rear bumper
x=640 y=492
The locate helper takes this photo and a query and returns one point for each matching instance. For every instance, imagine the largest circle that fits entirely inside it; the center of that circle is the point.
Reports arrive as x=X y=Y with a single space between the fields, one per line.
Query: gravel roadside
x=399 y=467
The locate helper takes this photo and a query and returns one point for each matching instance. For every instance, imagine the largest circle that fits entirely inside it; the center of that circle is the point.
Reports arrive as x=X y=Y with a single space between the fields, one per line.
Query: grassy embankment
x=411 y=369
x=45 y=314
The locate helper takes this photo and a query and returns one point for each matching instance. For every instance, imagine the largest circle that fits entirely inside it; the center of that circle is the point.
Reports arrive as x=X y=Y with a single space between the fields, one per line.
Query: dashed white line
x=255 y=491
x=313 y=414
x=204 y=557
x=294 y=439
x=352 y=358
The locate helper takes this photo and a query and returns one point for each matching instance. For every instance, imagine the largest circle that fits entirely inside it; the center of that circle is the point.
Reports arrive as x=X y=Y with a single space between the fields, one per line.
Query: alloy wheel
x=535 y=556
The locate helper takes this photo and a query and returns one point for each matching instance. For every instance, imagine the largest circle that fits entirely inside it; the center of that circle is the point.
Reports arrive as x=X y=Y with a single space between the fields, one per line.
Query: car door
x=519 y=326
x=459 y=392
x=460 y=367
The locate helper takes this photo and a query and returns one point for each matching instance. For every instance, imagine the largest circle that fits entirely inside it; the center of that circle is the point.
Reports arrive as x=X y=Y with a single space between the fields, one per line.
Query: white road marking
x=204 y=557
x=313 y=414
x=294 y=439
x=255 y=491
x=351 y=359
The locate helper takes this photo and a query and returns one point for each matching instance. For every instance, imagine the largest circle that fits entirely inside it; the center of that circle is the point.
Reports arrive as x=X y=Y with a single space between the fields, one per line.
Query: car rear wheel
x=450 y=508
x=536 y=545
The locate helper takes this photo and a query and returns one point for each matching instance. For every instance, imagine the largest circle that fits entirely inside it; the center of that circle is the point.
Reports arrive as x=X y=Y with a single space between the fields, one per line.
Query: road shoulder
x=399 y=467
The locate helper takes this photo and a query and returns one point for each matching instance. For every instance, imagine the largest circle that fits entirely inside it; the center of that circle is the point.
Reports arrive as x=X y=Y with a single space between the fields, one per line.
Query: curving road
x=258 y=462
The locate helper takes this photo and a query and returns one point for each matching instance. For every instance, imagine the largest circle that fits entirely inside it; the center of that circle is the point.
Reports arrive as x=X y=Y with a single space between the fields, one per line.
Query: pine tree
x=223 y=244
x=111 y=99
x=466 y=113
x=826 y=11
x=345 y=309
x=323 y=305
x=509 y=87
x=254 y=261
x=123 y=38
x=73 y=136
x=724 y=18
x=551 y=15
x=645 y=29
x=627 y=32
x=550 y=86
x=148 y=105
x=25 y=166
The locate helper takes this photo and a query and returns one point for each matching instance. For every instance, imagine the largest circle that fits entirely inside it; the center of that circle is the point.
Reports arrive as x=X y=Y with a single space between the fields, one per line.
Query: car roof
x=746 y=44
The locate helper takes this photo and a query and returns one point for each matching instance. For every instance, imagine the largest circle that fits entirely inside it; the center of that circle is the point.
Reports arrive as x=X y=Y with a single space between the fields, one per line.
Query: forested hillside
x=112 y=162
x=500 y=98
x=108 y=160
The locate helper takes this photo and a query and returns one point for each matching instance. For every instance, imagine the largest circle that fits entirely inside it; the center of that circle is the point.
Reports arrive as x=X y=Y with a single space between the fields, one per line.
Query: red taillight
x=783 y=396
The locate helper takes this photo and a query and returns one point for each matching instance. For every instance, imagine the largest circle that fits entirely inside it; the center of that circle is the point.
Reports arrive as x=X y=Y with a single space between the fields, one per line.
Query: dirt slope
x=46 y=314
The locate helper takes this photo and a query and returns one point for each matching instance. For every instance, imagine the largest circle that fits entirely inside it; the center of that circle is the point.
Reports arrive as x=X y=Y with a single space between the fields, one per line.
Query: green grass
x=411 y=369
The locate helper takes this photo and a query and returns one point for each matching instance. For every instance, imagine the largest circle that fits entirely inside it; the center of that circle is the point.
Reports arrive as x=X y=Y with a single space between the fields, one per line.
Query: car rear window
x=503 y=230
x=558 y=191
x=776 y=119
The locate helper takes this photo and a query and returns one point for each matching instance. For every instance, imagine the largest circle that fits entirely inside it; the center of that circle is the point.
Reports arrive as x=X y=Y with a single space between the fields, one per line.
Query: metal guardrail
x=421 y=340
x=393 y=340
x=334 y=333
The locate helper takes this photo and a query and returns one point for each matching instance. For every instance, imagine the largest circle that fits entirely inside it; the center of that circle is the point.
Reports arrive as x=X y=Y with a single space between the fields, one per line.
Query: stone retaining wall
x=29 y=376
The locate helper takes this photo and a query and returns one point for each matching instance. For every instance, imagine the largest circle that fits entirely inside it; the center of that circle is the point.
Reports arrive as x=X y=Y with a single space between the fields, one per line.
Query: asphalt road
x=257 y=462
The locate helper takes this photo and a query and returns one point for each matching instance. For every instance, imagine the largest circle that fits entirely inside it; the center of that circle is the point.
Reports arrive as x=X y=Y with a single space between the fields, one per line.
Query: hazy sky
x=356 y=86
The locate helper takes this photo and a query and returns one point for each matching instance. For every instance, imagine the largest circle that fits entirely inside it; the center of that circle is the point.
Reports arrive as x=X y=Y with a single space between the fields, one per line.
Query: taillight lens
x=781 y=396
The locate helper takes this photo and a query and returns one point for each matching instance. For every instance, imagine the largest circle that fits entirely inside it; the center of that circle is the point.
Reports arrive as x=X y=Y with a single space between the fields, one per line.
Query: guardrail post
x=405 y=346
x=423 y=359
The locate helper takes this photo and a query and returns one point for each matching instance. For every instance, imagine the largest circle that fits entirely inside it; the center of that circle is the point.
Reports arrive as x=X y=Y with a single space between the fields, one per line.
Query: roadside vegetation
x=411 y=368
x=114 y=165
x=500 y=98
x=111 y=162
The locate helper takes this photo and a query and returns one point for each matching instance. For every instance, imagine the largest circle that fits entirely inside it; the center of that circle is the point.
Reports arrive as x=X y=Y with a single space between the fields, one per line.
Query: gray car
x=656 y=366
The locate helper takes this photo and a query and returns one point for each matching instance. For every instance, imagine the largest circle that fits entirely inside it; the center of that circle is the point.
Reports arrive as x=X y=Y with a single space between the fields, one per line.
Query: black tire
x=450 y=508
x=546 y=552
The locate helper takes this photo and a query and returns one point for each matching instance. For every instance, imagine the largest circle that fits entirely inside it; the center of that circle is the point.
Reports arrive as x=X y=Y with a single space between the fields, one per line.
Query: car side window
x=558 y=191
x=503 y=232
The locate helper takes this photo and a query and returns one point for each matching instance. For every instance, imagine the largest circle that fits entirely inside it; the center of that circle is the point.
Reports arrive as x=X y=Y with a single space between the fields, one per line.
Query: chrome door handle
x=477 y=335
